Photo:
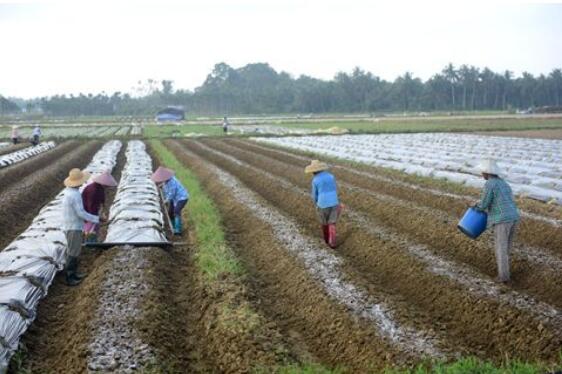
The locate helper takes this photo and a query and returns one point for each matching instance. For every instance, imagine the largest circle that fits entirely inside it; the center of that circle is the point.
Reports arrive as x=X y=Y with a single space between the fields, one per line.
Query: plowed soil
x=58 y=338
x=13 y=148
x=23 y=199
x=381 y=242
x=15 y=173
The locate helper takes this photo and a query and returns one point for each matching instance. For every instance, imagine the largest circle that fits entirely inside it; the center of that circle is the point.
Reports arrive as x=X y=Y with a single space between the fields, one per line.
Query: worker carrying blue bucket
x=496 y=209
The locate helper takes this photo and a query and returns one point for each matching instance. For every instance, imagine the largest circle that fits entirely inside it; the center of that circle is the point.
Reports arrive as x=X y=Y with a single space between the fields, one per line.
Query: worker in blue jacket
x=325 y=196
x=175 y=195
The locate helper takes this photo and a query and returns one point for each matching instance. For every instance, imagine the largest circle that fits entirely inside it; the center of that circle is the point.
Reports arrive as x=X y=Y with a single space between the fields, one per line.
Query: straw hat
x=315 y=166
x=489 y=166
x=76 y=178
x=105 y=179
x=162 y=174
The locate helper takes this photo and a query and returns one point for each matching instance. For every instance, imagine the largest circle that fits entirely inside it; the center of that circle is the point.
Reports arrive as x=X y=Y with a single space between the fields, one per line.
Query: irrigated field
x=254 y=287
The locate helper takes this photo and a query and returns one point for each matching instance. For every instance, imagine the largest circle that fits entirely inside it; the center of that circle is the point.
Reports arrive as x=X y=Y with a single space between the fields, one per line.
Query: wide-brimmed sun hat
x=489 y=166
x=76 y=178
x=315 y=166
x=105 y=179
x=162 y=174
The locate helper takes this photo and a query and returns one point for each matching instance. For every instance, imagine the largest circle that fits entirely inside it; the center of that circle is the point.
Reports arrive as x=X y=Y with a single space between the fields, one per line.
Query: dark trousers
x=175 y=209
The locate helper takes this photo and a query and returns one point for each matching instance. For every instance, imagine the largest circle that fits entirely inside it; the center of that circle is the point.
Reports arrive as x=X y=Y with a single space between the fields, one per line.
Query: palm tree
x=451 y=74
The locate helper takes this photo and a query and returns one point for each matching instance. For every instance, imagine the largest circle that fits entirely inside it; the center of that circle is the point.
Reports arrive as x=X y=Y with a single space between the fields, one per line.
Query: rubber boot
x=77 y=274
x=326 y=233
x=332 y=235
x=177 y=225
x=71 y=266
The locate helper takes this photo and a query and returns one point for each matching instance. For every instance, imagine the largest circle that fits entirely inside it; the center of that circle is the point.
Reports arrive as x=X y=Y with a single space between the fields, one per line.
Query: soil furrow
x=467 y=319
x=286 y=293
x=550 y=228
x=13 y=148
x=548 y=213
x=530 y=274
x=24 y=199
x=37 y=164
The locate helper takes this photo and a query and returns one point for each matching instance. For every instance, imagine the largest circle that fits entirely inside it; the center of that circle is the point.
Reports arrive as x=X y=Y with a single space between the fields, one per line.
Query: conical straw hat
x=489 y=166
x=315 y=166
x=105 y=179
x=162 y=174
x=76 y=178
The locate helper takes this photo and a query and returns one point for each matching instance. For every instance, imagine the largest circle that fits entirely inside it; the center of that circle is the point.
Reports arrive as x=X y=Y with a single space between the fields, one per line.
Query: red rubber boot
x=326 y=233
x=332 y=235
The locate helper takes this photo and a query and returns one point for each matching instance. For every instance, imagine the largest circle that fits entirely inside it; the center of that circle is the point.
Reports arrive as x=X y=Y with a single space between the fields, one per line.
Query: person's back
x=499 y=202
x=325 y=189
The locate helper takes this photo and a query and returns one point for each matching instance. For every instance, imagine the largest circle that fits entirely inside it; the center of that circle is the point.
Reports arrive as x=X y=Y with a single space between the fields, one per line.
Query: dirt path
x=468 y=319
x=22 y=200
x=15 y=173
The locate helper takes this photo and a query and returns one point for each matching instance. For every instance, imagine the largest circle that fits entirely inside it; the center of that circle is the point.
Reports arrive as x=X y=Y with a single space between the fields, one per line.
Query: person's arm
x=168 y=190
x=78 y=207
x=314 y=192
x=485 y=198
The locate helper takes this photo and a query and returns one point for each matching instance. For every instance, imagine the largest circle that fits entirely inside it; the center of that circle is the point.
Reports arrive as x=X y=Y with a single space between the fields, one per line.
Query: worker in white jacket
x=74 y=217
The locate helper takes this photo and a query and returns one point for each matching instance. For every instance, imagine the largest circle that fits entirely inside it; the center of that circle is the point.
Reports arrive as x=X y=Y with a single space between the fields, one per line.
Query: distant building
x=170 y=114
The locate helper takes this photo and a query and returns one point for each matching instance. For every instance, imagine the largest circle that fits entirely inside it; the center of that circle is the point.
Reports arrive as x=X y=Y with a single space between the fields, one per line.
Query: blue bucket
x=473 y=223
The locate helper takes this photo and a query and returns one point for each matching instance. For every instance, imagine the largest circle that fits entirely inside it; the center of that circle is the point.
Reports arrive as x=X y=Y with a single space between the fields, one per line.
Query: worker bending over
x=74 y=217
x=497 y=200
x=93 y=197
x=175 y=195
x=325 y=196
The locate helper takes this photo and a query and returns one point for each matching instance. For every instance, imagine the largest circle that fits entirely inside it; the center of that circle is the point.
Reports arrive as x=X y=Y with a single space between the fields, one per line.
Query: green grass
x=213 y=258
x=471 y=365
x=169 y=131
x=434 y=125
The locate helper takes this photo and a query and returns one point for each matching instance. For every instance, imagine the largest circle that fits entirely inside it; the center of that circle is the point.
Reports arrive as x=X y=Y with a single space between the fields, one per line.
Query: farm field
x=76 y=131
x=254 y=288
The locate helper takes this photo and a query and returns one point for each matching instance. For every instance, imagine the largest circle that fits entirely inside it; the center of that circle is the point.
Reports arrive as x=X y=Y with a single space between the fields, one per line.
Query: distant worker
x=325 y=196
x=15 y=134
x=175 y=195
x=93 y=197
x=35 y=135
x=497 y=200
x=74 y=217
x=225 y=125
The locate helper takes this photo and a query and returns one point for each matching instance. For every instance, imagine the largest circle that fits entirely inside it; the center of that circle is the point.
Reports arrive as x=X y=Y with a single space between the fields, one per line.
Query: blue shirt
x=324 y=190
x=174 y=191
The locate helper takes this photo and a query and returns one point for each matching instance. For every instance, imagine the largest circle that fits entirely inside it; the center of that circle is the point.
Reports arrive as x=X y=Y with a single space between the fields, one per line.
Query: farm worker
x=225 y=125
x=175 y=195
x=503 y=216
x=15 y=134
x=93 y=198
x=35 y=134
x=74 y=217
x=325 y=196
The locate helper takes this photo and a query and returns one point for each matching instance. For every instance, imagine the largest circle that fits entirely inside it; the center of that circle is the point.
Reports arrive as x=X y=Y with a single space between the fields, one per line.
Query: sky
x=49 y=48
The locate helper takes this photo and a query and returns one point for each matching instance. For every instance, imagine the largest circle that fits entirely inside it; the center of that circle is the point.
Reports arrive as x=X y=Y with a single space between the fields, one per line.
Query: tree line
x=258 y=88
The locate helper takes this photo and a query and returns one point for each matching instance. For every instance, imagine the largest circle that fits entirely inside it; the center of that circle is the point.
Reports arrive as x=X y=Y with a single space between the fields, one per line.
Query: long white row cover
x=136 y=215
x=28 y=265
x=23 y=154
x=532 y=166
x=4 y=144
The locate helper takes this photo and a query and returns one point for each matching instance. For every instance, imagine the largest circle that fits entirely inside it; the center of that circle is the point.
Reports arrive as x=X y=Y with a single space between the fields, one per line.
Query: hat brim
x=68 y=182
x=315 y=168
x=105 y=180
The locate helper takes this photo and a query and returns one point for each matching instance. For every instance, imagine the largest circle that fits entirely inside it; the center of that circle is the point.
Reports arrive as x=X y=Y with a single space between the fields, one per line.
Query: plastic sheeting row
x=532 y=166
x=136 y=215
x=29 y=264
x=23 y=154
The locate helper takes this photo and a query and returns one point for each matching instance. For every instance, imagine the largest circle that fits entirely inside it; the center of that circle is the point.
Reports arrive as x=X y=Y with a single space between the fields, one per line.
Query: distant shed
x=170 y=115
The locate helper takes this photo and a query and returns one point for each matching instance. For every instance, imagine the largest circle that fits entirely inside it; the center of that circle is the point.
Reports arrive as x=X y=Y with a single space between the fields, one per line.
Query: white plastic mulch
x=533 y=167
